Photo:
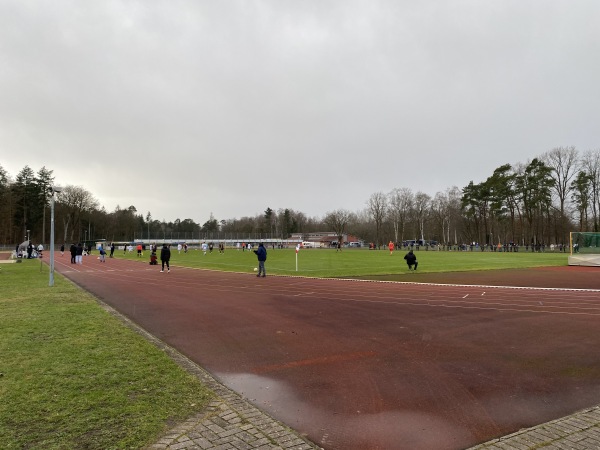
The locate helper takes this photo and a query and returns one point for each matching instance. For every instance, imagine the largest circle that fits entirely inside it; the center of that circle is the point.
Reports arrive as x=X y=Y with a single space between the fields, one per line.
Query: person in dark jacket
x=411 y=260
x=73 y=250
x=79 y=253
x=165 y=256
x=261 y=254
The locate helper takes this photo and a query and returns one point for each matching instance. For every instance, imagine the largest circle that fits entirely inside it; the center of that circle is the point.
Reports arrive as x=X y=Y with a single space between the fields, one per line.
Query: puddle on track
x=334 y=430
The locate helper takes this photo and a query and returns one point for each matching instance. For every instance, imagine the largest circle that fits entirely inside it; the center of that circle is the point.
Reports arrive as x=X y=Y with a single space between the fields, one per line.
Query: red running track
x=372 y=365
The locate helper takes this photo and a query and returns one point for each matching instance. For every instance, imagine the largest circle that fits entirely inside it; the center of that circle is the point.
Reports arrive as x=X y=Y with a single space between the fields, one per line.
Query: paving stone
x=215 y=428
x=203 y=443
x=241 y=445
x=520 y=443
x=229 y=433
x=566 y=445
x=226 y=446
x=591 y=443
x=535 y=437
x=260 y=442
x=576 y=437
x=230 y=415
x=182 y=445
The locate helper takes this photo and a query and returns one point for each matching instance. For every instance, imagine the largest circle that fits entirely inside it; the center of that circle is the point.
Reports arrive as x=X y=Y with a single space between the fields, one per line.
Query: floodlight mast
x=53 y=190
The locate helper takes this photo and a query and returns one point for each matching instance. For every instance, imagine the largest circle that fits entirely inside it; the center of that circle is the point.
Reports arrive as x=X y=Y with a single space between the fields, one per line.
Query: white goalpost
x=585 y=249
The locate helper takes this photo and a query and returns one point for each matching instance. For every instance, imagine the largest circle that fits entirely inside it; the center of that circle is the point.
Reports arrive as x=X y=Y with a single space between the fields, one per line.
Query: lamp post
x=54 y=189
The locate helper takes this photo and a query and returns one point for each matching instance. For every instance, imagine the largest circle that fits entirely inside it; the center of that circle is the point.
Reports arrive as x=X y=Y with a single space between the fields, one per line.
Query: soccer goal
x=585 y=249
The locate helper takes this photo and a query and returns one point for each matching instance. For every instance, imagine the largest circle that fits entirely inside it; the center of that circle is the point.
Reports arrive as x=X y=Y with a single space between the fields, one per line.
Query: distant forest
x=539 y=201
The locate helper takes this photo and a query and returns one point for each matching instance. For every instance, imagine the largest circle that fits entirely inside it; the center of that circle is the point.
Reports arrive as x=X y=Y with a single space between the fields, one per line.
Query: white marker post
x=297 y=250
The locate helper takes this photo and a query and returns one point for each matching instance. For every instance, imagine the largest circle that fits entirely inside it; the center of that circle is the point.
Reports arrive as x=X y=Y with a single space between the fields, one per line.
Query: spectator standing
x=79 y=254
x=261 y=254
x=165 y=256
x=102 y=254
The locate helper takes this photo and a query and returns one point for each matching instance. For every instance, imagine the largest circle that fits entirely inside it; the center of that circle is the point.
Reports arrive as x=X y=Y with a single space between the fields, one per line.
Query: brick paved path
x=232 y=423
x=579 y=431
x=222 y=428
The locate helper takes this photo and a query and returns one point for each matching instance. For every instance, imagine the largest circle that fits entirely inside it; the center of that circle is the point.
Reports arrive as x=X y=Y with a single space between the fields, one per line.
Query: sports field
x=356 y=262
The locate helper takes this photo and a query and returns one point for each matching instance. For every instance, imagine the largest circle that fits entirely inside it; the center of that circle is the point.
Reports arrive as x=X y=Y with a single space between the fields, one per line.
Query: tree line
x=535 y=202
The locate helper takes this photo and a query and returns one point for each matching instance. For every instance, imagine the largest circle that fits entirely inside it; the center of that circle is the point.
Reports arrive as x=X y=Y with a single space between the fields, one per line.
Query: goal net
x=585 y=249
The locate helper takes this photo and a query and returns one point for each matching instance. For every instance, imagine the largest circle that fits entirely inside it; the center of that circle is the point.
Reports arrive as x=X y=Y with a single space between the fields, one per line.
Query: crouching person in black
x=411 y=260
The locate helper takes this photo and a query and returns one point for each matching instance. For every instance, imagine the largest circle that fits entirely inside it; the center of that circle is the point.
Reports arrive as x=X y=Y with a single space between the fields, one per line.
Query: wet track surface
x=367 y=365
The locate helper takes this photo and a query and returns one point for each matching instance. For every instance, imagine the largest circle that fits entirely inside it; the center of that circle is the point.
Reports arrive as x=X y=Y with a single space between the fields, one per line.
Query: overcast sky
x=183 y=108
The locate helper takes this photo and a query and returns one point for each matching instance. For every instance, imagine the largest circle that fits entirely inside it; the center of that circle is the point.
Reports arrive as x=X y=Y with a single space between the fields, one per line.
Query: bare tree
x=338 y=220
x=400 y=204
x=591 y=165
x=377 y=205
x=454 y=213
x=73 y=202
x=446 y=213
x=564 y=164
x=440 y=209
x=421 y=208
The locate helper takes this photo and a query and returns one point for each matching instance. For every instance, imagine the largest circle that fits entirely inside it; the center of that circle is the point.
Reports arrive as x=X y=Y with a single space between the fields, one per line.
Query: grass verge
x=74 y=376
